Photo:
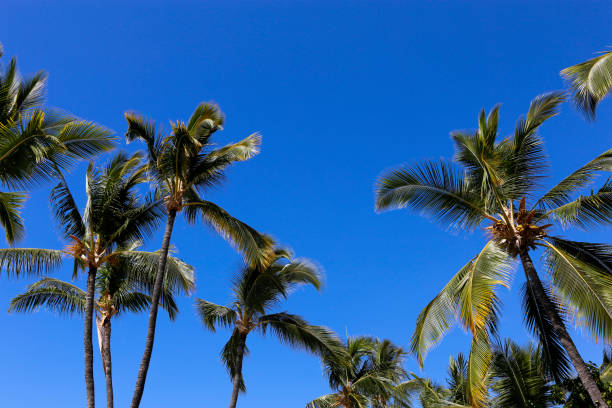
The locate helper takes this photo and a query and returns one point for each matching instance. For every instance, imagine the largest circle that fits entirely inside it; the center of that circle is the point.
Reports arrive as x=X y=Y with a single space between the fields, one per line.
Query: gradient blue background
x=340 y=92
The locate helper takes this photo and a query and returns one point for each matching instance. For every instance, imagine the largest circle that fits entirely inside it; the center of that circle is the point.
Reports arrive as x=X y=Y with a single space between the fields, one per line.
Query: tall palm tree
x=33 y=140
x=256 y=292
x=490 y=184
x=590 y=82
x=119 y=288
x=115 y=216
x=183 y=164
x=368 y=373
x=519 y=378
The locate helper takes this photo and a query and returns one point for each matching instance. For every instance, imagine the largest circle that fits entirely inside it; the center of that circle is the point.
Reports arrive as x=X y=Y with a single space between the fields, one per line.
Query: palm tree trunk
x=559 y=327
x=159 y=280
x=238 y=375
x=87 y=337
x=106 y=360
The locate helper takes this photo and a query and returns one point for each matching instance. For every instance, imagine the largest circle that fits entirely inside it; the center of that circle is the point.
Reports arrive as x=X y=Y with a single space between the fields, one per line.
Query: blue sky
x=340 y=92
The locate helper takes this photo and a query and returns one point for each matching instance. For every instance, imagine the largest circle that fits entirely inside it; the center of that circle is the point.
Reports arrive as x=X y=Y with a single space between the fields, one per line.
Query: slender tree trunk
x=159 y=280
x=106 y=360
x=559 y=327
x=87 y=337
x=238 y=377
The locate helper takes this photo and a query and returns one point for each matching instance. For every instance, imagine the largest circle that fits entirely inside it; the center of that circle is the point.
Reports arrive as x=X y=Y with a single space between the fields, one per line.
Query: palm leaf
x=582 y=287
x=53 y=294
x=562 y=192
x=255 y=247
x=590 y=82
x=10 y=215
x=213 y=315
x=435 y=189
x=29 y=261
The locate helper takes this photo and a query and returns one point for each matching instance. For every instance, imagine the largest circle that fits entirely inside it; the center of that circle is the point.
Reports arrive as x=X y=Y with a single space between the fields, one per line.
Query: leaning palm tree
x=519 y=378
x=121 y=286
x=590 y=82
x=33 y=140
x=256 y=292
x=368 y=373
x=115 y=216
x=492 y=188
x=182 y=165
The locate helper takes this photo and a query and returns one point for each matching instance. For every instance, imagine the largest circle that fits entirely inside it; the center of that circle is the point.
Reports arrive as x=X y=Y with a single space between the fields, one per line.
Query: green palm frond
x=135 y=302
x=179 y=275
x=301 y=271
x=478 y=368
x=555 y=362
x=586 y=211
x=517 y=377
x=29 y=261
x=230 y=356
x=82 y=139
x=213 y=315
x=296 y=332
x=52 y=294
x=582 y=286
x=590 y=82
x=433 y=188
x=561 y=193
x=10 y=215
x=66 y=210
x=324 y=401
x=254 y=246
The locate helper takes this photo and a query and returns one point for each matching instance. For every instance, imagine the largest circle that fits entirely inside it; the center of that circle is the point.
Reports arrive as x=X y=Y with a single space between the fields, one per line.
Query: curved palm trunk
x=159 y=280
x=559 y=327
x=87 y=337
x=106 y=360
x=238 y=377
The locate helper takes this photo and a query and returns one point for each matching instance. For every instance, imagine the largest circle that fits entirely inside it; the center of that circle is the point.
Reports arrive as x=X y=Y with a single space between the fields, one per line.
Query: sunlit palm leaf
x=590 y=82
x=582 y=287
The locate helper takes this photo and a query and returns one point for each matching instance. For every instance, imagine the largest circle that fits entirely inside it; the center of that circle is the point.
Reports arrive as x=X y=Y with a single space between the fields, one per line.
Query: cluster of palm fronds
x=492 y=183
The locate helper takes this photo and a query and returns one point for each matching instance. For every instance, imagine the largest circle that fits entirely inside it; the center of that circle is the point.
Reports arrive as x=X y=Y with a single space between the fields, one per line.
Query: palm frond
x=256 y=248
x=230 y=355
x=53 y=294
x=324 y=401
x=296 y=332
x=590 y=82
x=561 y=193
x=436 y=189
x=582 y=287
x=213 y=315
x=11 y=205
x=586 y=211
x=478 y=368
x=555 y=362
x=29 y=261
x=66 y=211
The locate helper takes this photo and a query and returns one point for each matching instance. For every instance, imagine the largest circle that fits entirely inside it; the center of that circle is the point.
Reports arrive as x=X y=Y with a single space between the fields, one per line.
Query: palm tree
x=519 y=378
x=182 y=165
x=115 y=216
x=119 y=289
x=33 y=140
x=590 y=82
x=368 y=373
x=492 y=187
x=256 y=292
x=570 y=393
x=457 y=380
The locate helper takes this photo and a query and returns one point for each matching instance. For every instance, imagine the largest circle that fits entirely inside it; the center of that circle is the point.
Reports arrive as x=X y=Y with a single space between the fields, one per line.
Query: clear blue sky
x=340 y=92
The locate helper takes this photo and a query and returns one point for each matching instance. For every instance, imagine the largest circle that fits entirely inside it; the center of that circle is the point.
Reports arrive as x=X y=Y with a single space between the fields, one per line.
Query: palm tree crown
x=489 y=185
x=33 y=141
x=256 y=292
x=367 y=373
